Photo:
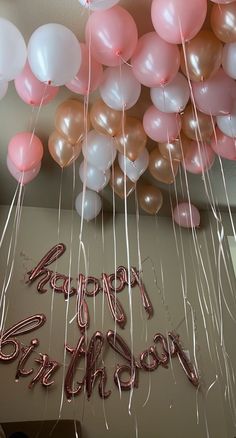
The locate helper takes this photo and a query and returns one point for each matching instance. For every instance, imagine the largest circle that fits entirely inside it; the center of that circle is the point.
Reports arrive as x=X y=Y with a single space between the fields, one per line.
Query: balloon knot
x=118 y=52
x=163 y=82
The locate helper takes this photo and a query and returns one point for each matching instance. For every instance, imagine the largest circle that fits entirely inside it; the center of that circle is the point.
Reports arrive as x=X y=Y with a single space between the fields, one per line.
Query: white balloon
x=13 y=52
x=99 y=150
x=3 y=89
x=120 y=89
x=91 y=207
x=229 y=59
x=94 y=178
x=54 y=54
x=173 y=97
x=134 y=169
x=227 y=124
x=96 y=5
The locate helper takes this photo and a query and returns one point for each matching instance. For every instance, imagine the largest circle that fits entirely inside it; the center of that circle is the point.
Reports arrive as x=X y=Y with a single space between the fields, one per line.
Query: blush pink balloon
x=161 y=127
x=198 y=158
x=113 y=35
x=223 y=145
x=31 y=90
x=22 y=177
x=89 y=76
x=216 y=95
x=25 y=150
x=155 y=62
x=186 y=215
x=178 y=20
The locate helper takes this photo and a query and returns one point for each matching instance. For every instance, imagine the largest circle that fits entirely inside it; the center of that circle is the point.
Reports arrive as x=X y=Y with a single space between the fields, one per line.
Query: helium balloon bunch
x=190 y=71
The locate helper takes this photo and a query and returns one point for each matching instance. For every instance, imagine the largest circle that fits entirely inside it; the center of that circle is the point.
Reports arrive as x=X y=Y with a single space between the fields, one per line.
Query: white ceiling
x=16 y=116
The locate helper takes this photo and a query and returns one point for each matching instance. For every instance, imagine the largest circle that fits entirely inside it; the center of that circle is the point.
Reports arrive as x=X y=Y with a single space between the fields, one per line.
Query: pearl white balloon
x=134 y=169
x=173 y=97
x=3 y=89
x=227 y=124
x=120 y=89
x=229 y=59
x=99 y=150
x=96 y=5
x=91 y=207
x=54 y=54
x=94 y=178
x=13 y=52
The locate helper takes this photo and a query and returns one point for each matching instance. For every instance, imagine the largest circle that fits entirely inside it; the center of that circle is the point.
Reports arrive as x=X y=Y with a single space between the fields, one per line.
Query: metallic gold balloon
x=63 y=152
x=196 y=125
x=133 y=140
x=70 y=121
x=150 y=198
x=161 y=169
x=117 y=182
x=176 y=149
x=223 y=22
x=106 y=120
x=204 y=56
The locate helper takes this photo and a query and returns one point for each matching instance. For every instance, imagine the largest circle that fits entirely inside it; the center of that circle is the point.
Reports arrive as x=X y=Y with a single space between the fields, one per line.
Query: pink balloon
x=31 y=90
x=160 y=126
x=215 y=96
x=186 y=215
x=113 y=35
x=198 y=158
x=155 y=62
x=25 y=150
x=178 y=20
x=223 y=145
x=22 y=177
x=89 y=76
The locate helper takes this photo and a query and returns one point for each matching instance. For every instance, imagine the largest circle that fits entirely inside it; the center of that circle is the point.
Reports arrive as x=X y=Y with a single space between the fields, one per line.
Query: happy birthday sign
x=87 y=353
x=108 y=284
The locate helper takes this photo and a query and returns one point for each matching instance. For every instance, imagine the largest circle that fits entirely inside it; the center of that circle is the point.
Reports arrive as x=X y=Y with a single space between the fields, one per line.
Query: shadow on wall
x=41 y=429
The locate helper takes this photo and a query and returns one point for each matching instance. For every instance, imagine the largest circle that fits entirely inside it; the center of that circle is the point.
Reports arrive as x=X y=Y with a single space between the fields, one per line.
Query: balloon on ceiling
x=192 y=89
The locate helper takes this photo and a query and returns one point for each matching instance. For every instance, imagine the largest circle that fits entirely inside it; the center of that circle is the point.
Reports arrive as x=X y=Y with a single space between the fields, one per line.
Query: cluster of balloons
x=113 y=135
x=25 y=153
x=190 y=72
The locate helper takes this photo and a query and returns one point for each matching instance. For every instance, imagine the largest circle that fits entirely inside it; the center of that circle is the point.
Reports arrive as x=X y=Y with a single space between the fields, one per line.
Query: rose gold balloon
x=63 y=152
x=161 y=169
x=196 y=125
x=117 y=182
x=204 y=56
x=223 y=22
x=106 y=120
x=70 y=120
x=176 y=149
x=150 y=198
x=133 y=140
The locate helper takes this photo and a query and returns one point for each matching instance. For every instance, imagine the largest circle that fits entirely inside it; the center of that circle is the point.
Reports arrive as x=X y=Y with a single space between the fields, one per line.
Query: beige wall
x=171 y=408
